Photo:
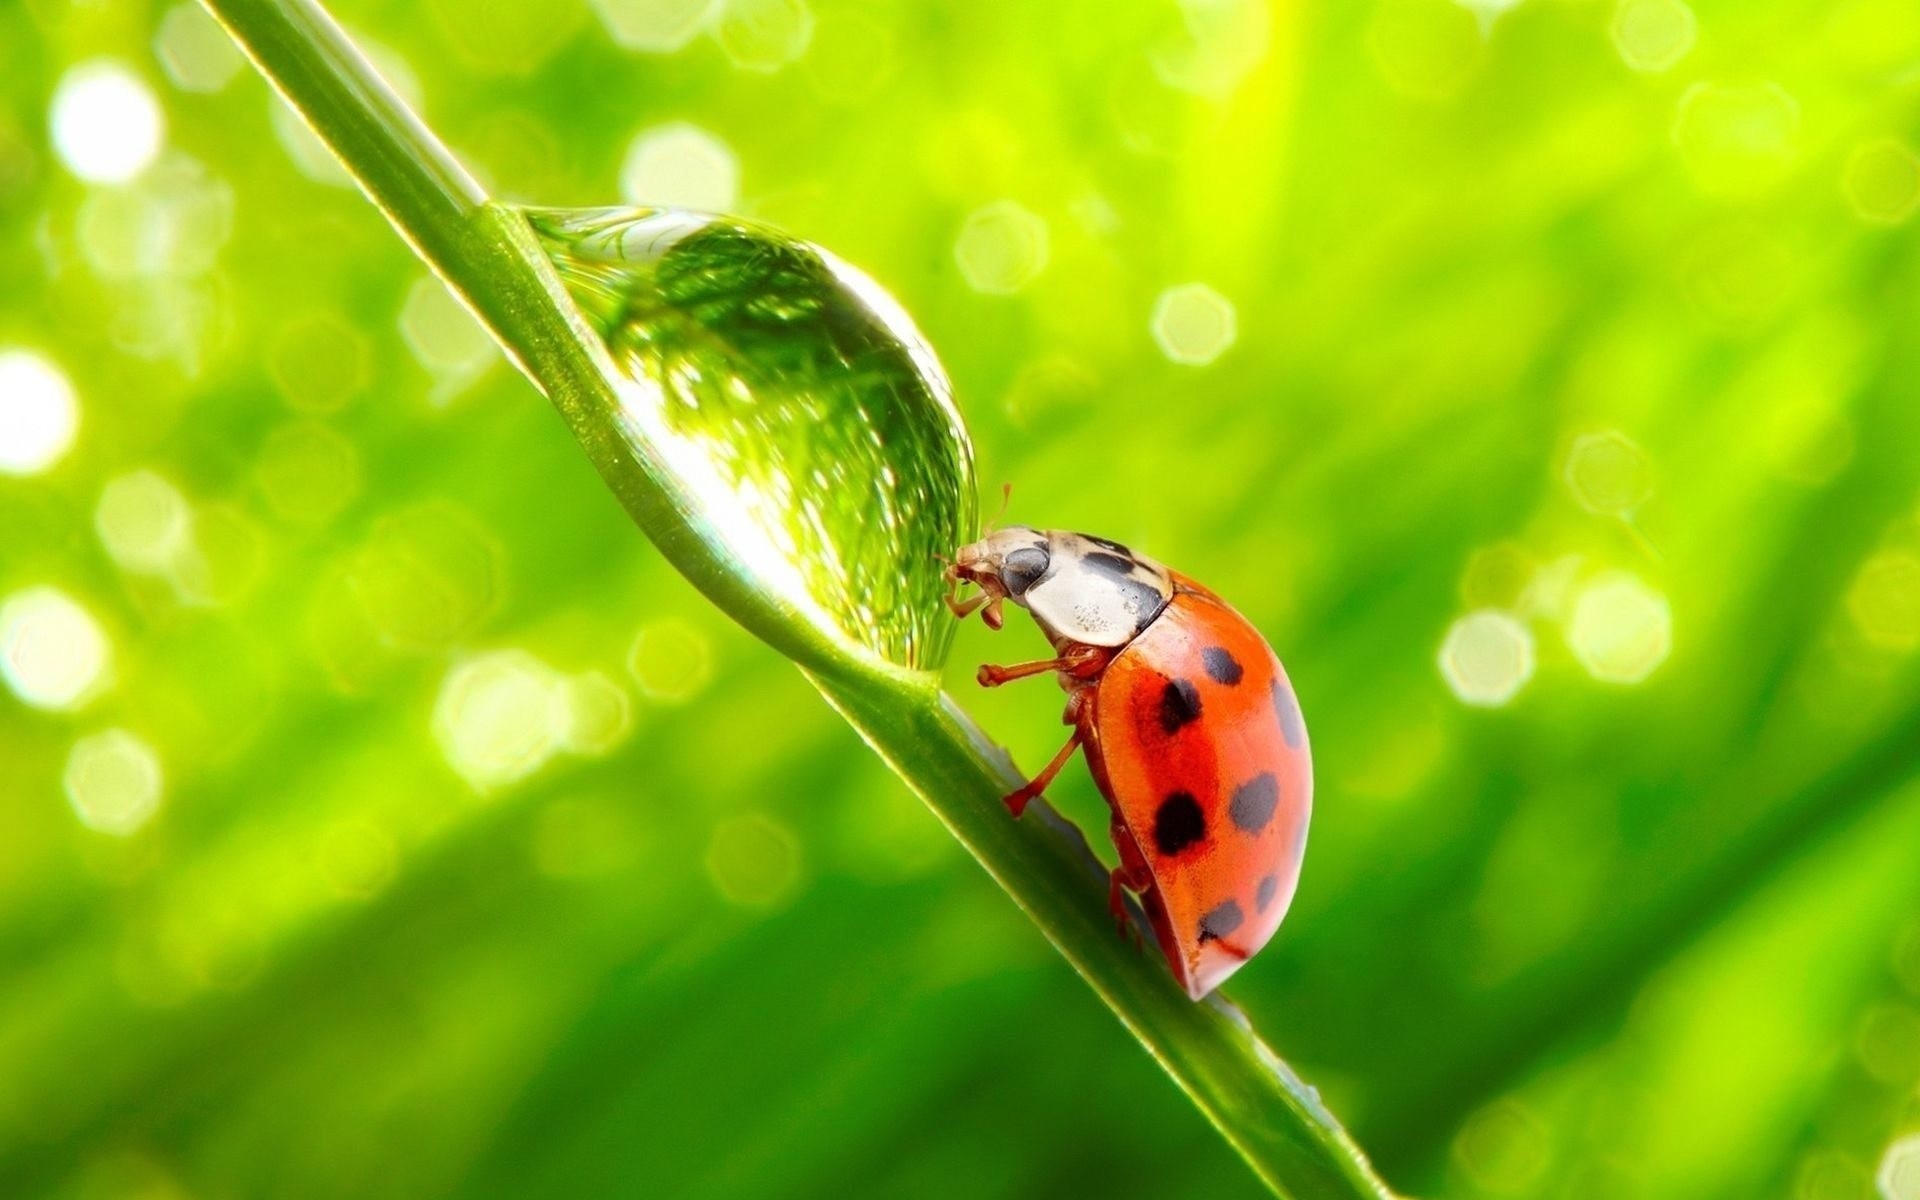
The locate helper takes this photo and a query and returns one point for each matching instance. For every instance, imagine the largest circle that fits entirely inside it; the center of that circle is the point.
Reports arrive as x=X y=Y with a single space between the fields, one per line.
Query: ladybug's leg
x=1079 y=656
x=1133 y=875
x=964 y=608
x=1016 y=801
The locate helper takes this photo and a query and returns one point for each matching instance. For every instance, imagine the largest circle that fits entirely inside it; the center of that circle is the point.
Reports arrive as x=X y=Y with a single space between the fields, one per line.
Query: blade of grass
x=488 y=256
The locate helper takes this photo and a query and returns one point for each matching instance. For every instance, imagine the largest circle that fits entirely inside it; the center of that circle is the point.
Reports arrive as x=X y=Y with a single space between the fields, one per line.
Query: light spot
x=1498 y=576
x=307 y=472
x=1608 y=473
x=1883 y=182
x=1486 y=658
x=427 y=576
x=1884 y=600
x=173 y=221
x=319 y=362
x=194 y=51
x=1620 y=629
x=1653 y=35
x=764 y=35
x=358 y=859
x=53 y=654
x=39 y=416
x=223 y=559
x=753 y=860
x=507 y=37
x=1425 y=49
x=1887 y=1042
x=852 y=57
x=1193 y=324
x=671 y=661
x=654 y=26
x=1737 y=139
x=445 y=338
x=681 y=166
x=1505 y=1148
x=113 y=782
x=143 y=521
x=499 y=717
x=598 y=714
x=1001 y=248
x=1219 y=44
x=106 y=124
x=1899 y=1174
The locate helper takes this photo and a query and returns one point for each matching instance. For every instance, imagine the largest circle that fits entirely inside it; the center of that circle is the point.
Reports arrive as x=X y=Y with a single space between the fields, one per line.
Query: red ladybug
x=1191 y=730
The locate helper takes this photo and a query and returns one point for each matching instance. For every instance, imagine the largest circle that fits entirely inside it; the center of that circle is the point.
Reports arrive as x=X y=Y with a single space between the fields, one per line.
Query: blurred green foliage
x=383 y=817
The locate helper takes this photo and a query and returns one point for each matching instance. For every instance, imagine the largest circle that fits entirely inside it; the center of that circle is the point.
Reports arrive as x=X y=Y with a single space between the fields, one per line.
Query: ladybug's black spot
x=1254 y=801
x=1264 y=896
x=1179 y=823
x=1220 y=921
x=1179 y=705
x=1109 y=564
x=1287 y=708
x=1221 y=666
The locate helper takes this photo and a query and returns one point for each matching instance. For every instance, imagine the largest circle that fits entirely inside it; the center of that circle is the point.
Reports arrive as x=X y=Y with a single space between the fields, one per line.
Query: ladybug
x=1190 y=728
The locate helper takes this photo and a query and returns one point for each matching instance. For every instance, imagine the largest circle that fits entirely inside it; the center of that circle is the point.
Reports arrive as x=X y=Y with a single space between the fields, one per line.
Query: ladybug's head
x=1080 y=589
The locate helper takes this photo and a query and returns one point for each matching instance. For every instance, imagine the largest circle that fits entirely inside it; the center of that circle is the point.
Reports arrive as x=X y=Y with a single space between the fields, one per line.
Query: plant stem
x=488 y=255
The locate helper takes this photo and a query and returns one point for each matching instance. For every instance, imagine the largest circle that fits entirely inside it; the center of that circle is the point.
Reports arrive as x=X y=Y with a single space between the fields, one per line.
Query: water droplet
x=1486 y=658
x=1883 y=182
x=1653 y=35
x=754 y=860
x=39 y=416
x=1621 y=629
x=106 y=124
x=1001 y=248
x=654 y=26
x=792 y=403
x=499 y=717
x=194 y=51
x=53 y=654
x=113 y=781
x=681 y=166
x=1194 y=324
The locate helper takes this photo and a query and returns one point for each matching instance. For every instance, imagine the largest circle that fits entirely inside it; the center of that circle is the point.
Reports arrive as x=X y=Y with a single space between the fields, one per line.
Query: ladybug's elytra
x=1191 y=730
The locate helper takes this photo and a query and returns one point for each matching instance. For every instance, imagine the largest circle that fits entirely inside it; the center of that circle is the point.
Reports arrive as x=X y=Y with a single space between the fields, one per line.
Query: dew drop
x=792 y=405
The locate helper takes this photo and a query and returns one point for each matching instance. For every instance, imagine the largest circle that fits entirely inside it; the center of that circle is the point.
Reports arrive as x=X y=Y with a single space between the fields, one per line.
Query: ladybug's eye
x=1021 y=568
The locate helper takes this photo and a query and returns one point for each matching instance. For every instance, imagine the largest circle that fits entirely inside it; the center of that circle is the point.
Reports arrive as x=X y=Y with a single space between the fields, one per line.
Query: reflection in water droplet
x=803 y=417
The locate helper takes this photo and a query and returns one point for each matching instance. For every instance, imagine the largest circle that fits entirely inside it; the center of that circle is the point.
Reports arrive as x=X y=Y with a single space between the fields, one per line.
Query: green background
x=1599 y=317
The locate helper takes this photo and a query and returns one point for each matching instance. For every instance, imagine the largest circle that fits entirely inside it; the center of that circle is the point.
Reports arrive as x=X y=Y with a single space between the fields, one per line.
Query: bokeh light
x=598 y=715
x=680 y=166
x=39 y=416
x=113 y=781
x=427 y=575
x=655 y=26
x=53 y=654
x=1001 y=248
x=1884 y=600
x=143 y=521
x=754 y=860
x=1883 y=182
x=106 y=124
x=1609 y=473
x=499 y=717
x=764 y=35
x=1738 y=138
x=1653 y=35
x=308 y=472
x=671 y=661
x=1193 y=324
x=1899 y=1174
x=1486 y=658
x=194 y=51
x=1620 y=630
x=445 y=338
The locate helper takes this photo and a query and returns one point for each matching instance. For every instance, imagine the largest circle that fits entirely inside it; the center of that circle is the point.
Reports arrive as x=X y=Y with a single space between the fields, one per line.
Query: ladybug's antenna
x=1006 y=498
